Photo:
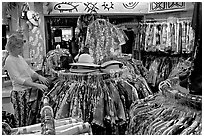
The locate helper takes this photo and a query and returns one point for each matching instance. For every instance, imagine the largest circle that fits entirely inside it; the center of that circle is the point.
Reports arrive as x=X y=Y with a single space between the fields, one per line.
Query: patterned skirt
x=26 y=111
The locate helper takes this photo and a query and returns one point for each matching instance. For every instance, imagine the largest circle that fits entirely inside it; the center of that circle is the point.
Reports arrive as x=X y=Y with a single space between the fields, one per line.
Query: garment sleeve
x=30 y=70
x=14 y=74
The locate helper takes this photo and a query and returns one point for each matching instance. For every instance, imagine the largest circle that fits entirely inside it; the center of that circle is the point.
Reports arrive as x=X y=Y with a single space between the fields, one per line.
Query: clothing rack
x=164 y=20
x=162 y=114
x=132 y=24
x=78 y=87
x=88 y=76
x=78 y=90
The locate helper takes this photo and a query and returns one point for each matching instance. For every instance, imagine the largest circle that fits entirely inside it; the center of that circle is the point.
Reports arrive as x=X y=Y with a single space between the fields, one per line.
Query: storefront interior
x=113 y=68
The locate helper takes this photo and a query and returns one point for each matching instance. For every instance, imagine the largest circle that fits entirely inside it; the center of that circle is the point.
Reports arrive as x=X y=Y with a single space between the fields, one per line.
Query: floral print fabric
x=161 y=68
x=174 y=37
x=156 y=117
x=97 y=98
x=52 y=59
x=103 y=40
x=26 y=112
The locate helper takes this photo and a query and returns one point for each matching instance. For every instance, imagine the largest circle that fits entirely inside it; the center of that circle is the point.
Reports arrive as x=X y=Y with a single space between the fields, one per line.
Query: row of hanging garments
x=100 y=99
x=160 y=68
x=169 y=112
x=169 y=37
x=132 y=66
x=134 y=72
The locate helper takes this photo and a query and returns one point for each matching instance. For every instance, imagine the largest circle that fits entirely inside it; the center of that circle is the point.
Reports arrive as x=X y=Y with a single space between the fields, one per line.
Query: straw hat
x=112 y=65
x=84 y=65
x=85 y=60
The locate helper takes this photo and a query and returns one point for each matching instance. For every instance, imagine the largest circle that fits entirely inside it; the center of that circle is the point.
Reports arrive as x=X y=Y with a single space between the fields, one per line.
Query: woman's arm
x=36 y=85
x=36 y=76
x=14 y=74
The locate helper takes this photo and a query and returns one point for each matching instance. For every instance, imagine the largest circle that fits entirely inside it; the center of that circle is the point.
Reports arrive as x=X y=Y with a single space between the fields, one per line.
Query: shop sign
x=166 y=6
x=94 y=7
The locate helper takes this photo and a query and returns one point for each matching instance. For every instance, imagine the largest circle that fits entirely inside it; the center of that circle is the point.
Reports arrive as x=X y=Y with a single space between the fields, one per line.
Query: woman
x=23 y=77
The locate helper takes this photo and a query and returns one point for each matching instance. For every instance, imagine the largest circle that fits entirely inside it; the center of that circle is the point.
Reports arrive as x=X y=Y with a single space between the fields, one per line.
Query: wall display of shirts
x=168 y=37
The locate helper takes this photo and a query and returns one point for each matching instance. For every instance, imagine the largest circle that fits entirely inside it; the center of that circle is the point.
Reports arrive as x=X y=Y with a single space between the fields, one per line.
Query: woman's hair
x=13 y=41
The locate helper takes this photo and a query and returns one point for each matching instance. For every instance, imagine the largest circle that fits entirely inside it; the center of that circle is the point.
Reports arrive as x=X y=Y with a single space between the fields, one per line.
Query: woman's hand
x=42 y=87
x=43 y=80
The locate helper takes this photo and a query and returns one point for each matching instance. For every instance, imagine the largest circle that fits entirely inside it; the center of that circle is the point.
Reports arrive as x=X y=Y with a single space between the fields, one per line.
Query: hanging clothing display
x=169 y=37
x=134 y=67
x=127 y=71
x=85 y=99
x=165 y=115
x=98 y=98
x=82 y=24
x=104 y=39
x=56 y=59
x=161 y=68
x=181 y=69
x=163 y=45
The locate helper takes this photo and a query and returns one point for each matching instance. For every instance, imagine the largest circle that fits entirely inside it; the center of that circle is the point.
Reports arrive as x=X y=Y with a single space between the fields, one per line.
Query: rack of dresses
x=163 y=43
x=169 y=112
